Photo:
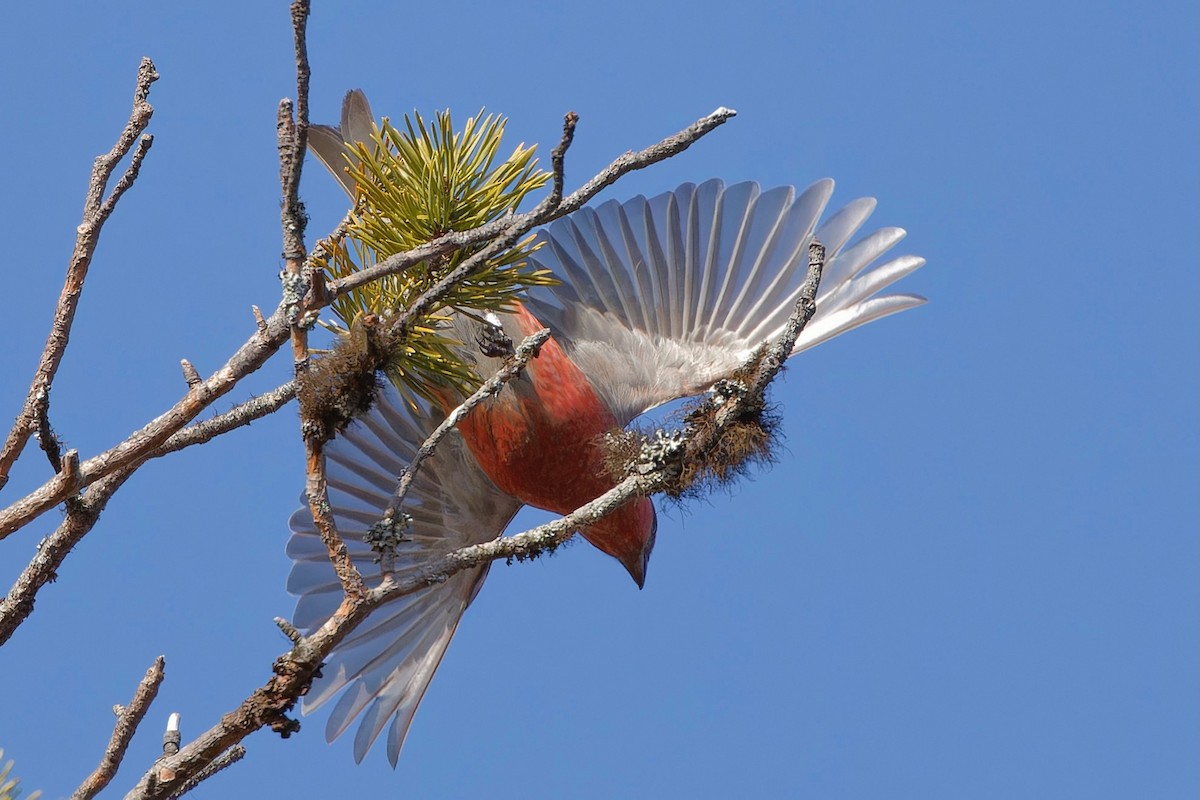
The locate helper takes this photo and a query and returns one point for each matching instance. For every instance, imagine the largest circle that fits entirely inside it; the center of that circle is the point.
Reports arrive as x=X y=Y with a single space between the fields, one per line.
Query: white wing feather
x=383 y=669
x=662 y=297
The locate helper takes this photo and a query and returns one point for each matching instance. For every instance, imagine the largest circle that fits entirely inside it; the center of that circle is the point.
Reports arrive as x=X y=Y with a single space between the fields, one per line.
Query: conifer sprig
x=417 y=183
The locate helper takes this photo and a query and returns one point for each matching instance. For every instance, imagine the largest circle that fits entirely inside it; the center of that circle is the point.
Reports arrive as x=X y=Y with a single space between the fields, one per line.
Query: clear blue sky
x=973 y=572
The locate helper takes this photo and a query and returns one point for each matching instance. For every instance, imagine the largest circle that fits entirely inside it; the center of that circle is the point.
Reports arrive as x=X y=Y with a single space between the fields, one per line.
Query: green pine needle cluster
x=414 y=185
x=10 y=787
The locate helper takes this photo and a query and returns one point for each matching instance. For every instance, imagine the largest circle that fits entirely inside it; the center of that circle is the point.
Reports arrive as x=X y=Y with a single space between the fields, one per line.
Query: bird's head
x=627 y=535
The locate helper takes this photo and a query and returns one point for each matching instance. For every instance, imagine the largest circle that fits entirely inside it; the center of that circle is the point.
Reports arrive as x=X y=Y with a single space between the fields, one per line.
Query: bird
x=658 y=298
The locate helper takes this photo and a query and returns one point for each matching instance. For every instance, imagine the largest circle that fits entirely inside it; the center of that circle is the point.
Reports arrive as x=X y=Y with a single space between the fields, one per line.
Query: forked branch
x=128 y=719
x=96 y=211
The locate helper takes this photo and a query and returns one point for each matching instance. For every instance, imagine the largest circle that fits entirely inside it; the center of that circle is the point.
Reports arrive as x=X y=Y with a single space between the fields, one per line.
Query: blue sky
x=972 y=573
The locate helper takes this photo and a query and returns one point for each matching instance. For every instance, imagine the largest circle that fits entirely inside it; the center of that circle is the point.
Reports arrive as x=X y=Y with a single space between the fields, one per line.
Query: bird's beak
x=637 y=562
x=636 y=567
x=627 y=535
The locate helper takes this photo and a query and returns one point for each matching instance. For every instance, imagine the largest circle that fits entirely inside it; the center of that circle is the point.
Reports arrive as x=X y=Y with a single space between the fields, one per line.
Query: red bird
x=659 y=299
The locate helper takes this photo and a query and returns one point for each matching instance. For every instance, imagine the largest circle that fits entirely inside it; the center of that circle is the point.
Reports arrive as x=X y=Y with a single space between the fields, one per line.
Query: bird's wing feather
x=384 y=667
x=328 y=142
x=663 y=296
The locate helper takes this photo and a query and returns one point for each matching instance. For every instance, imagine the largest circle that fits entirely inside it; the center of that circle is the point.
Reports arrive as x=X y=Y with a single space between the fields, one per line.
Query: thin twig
x=292 y=139
x=526 y=350
x=236 y=417
x=95 y=213
x=128 y=719
x=190 y=376
x=295 y=289
x=316 y=489
x=226 y=759
x=258 y=319
x=291 y=148
x=513 y=366
x=558 y=158
x=289 y=630
x=42 y=569
x=50 y=443
x=131 y=173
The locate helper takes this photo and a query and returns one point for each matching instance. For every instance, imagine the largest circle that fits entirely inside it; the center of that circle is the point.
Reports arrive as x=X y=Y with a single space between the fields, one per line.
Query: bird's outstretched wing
x=661 y=297
x=384 y=667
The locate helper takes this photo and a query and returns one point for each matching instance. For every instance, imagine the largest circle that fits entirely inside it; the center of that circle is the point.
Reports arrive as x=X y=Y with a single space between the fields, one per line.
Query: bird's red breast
x=538 y=440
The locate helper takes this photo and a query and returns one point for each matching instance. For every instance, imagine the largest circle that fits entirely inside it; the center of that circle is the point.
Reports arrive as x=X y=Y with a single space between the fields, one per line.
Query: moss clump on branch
x=729 y=447
x=747 y=440
x=341 y=383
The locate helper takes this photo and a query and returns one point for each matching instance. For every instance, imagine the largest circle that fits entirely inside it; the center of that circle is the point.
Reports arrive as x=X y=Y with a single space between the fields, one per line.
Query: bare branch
x=806 y=306
x=236 y=417
x=128 y=719
x=131 y=173
x=295 y=286
x=527 y=350
x=226 y=759
x=81 y=516
x=301 y=288
x=292 y=141
x=316 y=489
x=17 y=606
x=47 y=438
x=95 y=214
x=558 y=156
